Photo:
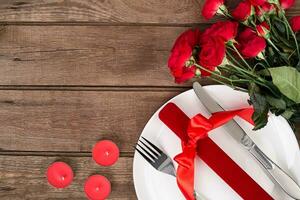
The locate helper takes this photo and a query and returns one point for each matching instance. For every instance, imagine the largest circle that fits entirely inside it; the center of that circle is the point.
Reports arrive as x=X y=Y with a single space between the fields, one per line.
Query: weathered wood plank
x=86 y=55
x=23 y=177
x=72 y=121
x=112 y=11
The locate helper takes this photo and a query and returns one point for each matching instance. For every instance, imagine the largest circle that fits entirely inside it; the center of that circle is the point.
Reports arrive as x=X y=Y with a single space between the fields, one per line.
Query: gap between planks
x=83 y=23
x=57 y=153
x=95 y=88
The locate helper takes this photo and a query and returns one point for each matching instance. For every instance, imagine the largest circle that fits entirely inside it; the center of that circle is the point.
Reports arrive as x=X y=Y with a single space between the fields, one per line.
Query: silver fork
x=159 y=160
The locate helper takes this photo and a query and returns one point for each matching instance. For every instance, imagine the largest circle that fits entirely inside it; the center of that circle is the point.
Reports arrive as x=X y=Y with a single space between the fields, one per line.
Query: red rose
x=211 y=7
x=263 y=29
x=212 y=54
x=227 y=30
x=242 y=11
x=295 y=23
x=250 y=44
x=265 y=8
x=285 y=4
x=181 y=53
x=257 y=2
x=187 y=74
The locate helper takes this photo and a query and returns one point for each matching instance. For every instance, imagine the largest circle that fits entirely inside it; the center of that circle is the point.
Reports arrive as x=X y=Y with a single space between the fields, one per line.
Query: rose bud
x=227 y=30
x=295 y=23
x=212 y=7
x=286 y=4
x=257 y=2
x=250 y=44
x=265 y=8
x=243 y=11
x=263 y=30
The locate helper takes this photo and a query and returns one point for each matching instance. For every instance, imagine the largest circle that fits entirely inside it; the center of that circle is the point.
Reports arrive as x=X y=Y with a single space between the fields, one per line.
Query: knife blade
x=287 y=184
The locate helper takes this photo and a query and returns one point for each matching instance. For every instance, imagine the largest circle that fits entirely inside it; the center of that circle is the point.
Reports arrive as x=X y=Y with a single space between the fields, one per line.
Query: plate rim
x=138 y=189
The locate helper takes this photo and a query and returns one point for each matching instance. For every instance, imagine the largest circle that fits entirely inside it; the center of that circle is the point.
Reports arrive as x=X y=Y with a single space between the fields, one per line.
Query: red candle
x=97 y=187
x=105 y=153
x=59 y=174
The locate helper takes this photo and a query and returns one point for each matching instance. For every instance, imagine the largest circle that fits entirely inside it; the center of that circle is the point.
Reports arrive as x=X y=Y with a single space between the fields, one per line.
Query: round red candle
x=97 y=187
x=59 y=174
x=105 y=153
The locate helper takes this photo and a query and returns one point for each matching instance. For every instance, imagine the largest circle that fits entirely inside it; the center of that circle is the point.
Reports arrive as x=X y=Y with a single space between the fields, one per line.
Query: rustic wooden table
x=74 y=72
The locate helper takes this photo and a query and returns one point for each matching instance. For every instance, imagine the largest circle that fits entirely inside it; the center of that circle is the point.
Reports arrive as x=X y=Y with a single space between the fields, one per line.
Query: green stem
x=212 y=72
x=278 y=51
x=236 y=69
x=265 y=16
x=240 y=69
x=244 y=61
x=292 y=54
x=265 y=60
x=229 y=85
x=221 y=82
x=293 y=34
x=233 y=58
x=267 y=63
x=273 y=45
x=241 y=80
x=225 y=12
x=247 y=75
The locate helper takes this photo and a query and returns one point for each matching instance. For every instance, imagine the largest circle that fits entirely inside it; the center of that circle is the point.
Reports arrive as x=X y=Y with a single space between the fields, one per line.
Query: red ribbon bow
x=194 y=136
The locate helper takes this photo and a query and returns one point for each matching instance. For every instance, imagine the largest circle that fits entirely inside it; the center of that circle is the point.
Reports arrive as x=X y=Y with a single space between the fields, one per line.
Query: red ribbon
x=195 y=141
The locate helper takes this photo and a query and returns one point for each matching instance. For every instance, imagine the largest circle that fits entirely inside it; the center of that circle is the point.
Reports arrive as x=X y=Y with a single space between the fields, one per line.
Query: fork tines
x=148 y=150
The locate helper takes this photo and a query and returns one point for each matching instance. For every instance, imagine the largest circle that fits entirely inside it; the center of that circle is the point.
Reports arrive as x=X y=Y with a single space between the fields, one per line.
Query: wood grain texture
x=86 y=55
x=23 y=177
x=108 y=11
x=73 y=72
x=72 y=121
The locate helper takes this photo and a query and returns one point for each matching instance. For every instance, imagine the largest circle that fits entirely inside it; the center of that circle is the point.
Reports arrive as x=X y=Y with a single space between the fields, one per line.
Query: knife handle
x=283 y=179
x=261 y=157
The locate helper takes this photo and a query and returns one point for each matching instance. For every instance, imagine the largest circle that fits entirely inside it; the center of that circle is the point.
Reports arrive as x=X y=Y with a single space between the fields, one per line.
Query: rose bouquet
x=256 y=50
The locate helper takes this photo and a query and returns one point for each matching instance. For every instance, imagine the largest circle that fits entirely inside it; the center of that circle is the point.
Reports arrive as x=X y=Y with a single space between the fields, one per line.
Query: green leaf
x=296 y=116
x=298 y=66
x=274 y=2
x=279 y=25
x=276 y=102
x=287 y=79
x=260 y=105
x=263 y=72
x=260 y=115
x=288 y=114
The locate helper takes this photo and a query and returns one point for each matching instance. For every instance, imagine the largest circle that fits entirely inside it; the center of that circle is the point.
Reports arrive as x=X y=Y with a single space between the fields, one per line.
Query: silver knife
x=288 y=185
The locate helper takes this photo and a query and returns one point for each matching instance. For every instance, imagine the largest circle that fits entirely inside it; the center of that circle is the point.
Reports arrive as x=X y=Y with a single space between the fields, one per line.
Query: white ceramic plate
x=277 y=140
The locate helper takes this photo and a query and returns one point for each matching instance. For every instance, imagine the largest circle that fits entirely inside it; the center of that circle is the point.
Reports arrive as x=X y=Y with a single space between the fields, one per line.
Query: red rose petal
x=250 y=44
x=285 y=4
x=295 y=23
x=211 y=7
x=242 y=11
